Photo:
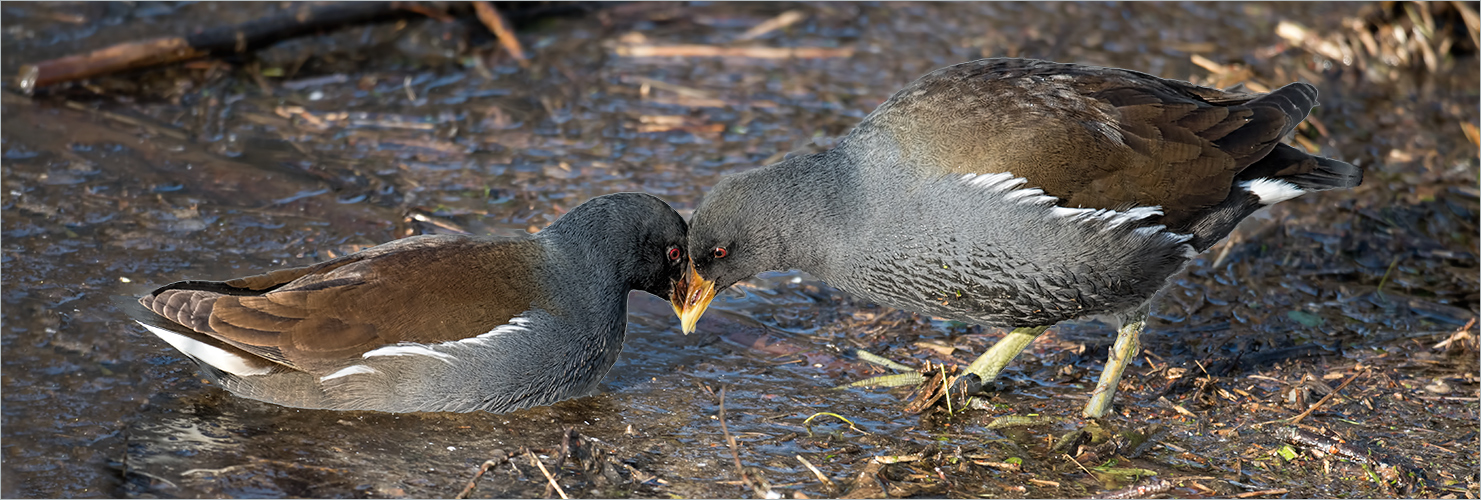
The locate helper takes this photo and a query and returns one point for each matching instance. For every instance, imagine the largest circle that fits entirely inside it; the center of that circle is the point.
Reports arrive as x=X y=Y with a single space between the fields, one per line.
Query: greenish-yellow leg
x=1128 y=344
x=991 y=363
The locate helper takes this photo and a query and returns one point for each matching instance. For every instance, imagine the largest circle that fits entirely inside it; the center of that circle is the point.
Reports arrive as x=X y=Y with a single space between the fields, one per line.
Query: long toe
x=990 y=364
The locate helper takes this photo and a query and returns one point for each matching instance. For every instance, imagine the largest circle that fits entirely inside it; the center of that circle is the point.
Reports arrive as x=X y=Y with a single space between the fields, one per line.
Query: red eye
x=720 y=253
x=674 y=253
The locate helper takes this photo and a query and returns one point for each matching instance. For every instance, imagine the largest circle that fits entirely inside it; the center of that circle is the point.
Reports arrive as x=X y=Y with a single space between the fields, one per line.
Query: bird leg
x=990 y=364
x=1128 y=344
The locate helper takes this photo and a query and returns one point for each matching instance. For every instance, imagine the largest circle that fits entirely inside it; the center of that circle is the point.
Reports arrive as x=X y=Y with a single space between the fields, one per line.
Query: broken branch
x=236 y=38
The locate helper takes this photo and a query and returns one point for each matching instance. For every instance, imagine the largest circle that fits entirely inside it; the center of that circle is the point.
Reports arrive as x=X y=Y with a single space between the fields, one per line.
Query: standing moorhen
x=433 y=323
x=1017 y=193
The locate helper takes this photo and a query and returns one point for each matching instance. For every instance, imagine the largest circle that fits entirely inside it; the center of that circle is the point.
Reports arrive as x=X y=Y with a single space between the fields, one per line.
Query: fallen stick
x=224 y=39
x=496 y=23
x=715 y=51
x=828 y=483
x=734 y=454
x=548 y=477
x=1297 y=419
x=1401 y=476
x=1261 y=493
x=786 y=19
x=499 y=458
x=1143 y=489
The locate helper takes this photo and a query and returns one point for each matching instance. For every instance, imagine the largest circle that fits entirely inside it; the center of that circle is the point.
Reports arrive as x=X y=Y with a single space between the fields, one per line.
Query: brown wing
x=422 y=289
x=1093 y=137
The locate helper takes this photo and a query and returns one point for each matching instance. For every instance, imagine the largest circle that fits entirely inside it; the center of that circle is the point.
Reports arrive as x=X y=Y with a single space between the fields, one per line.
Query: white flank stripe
x=1151 y=231
x=1034 y=196
x=347 y=371
x=1113 y=218
x=516 y=325
x=1272 y=191
x=1071 y=212
x=215 y=356
x=993 y=182
x=1137 y=213
x=1005 y=181
x=1018 y=194
x=411 y=349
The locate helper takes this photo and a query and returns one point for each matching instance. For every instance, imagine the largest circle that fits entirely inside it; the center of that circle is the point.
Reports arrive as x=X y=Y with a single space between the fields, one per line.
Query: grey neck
x=800 y=207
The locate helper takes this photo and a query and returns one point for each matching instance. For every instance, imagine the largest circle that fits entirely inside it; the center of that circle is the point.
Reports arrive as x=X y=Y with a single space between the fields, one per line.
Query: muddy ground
x=319 y=146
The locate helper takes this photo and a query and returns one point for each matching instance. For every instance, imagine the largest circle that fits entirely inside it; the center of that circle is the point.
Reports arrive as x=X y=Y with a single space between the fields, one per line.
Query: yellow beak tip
x=692 y=296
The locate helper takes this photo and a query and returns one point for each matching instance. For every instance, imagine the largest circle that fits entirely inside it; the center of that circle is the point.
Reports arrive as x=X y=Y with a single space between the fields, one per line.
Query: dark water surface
x=325 y=145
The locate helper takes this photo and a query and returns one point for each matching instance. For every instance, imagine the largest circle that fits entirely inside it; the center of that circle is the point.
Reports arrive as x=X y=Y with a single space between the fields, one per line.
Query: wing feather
x=423 y=289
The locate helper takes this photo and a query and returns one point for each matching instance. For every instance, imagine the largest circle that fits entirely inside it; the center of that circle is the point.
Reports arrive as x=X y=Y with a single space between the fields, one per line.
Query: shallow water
x=205 y=171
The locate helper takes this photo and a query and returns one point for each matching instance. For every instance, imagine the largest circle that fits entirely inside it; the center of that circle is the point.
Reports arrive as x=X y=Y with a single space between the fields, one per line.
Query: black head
x=638 y=233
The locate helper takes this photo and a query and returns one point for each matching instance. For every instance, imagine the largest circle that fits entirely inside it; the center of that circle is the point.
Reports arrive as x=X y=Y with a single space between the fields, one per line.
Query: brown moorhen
x=1016 y=193
x=433 y=323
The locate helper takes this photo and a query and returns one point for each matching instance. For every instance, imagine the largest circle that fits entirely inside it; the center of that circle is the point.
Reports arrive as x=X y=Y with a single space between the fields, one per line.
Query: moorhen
x=1015 y=193
x=433 y=323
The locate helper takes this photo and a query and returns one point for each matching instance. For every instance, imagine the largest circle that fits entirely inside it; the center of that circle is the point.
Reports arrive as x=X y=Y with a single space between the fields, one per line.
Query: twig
x=1201 y=368
x=496 y=23
x=897 y=459
x=1448 y=398
x=660 y=84
x=487 y=464
x=1441 y=448
x=1384 y=280
x=1077 y=463
x=1392 y=473
x=1141 y=490
x=1251 y=494
x=564 y=455
x=1177 y=407
x=826 y=482
x=222 y=39
x=1460 y=333
x=751 y=52
x=734 y=454
x=1297 y=419
x=1473 y=22
x=548 y=477
x=786 y=19
x=1208 y=64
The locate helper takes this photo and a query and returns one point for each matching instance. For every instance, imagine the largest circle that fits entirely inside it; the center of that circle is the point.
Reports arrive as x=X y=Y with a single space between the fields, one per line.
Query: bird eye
x=674 y=253
x=720 y=253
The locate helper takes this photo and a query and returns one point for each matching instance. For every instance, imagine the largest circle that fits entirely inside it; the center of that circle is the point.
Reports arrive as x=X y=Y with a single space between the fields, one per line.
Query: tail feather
x=1271 y=117
x=1282 y=172
x=1310 y=173
x=1294 y=100
x=1328 y=174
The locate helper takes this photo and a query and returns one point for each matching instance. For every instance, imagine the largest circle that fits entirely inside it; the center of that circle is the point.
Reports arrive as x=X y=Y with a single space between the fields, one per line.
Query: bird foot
x=968 y=385
x=971 y=384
